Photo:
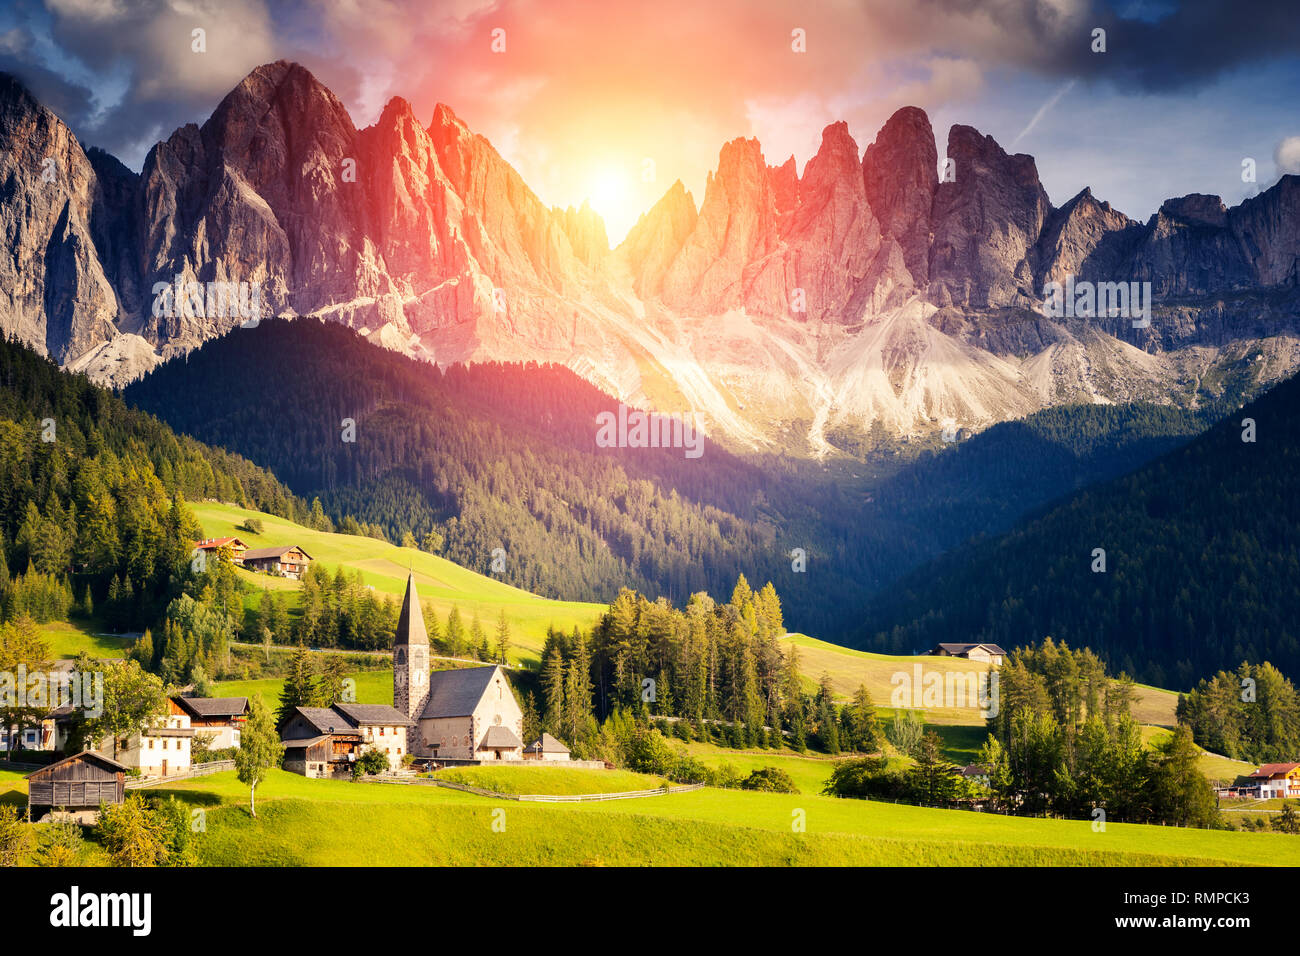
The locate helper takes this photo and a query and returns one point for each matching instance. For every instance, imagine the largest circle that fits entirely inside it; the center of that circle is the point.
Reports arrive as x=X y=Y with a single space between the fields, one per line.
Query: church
x=458 y=715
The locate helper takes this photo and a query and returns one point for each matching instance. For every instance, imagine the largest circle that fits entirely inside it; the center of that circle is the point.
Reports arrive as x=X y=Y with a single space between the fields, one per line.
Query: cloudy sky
x=584 y=92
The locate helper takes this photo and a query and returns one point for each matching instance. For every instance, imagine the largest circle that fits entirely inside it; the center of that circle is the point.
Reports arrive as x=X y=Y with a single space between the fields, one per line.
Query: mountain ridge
x=866 y=298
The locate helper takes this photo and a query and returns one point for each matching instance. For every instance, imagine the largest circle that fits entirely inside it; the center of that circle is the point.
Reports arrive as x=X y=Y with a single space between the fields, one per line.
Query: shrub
x=370 y=763
x=865 y=777
x=13 y=836
x=727 y=776
x=61 y=846
x=771 y=779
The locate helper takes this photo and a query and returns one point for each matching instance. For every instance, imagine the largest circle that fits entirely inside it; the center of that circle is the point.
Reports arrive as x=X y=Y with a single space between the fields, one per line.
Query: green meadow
x=67 y=639
x=849 y=669
x=373 y=687
x=550 y=780
x=316 y=822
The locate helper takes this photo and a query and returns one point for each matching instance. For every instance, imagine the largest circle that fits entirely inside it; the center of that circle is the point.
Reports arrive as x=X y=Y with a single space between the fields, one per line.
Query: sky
x=612 y=101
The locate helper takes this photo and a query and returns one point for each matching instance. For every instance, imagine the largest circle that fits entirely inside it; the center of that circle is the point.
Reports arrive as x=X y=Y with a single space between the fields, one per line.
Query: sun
x=611 y=195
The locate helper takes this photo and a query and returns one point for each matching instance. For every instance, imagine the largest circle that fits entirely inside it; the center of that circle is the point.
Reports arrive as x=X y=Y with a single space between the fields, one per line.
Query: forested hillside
x=92 y=494
x=470 y=459
x=1201 y=563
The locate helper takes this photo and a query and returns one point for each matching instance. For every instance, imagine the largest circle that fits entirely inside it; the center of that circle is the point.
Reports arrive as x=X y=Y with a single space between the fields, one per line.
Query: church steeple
x=411 y=663
x=410 y=624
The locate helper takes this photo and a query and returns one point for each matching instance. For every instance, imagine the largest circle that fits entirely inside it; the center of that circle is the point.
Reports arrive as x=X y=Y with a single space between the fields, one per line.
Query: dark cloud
x=714 y=66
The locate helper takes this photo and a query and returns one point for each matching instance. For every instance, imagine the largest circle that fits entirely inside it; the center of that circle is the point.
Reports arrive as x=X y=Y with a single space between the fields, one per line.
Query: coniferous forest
x=92 y=496
x=1200 y=571
x=466 y=460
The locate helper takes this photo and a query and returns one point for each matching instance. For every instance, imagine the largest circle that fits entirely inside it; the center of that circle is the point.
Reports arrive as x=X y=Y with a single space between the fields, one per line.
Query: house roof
x=350 y=718
x=1274 y=770
x=107 y=762
x=303 y=742
x=974 y=770
x=410 y=623
x=369 y=715
x=208 y=544
x=546 y=744
x=499 y=736
x=456 y=693
x=255 y=553
x=214 y=706
x=967 y=648
x=327 y=720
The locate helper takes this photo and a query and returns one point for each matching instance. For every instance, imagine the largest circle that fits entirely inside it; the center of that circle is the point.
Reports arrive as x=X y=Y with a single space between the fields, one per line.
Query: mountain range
x=864 y=301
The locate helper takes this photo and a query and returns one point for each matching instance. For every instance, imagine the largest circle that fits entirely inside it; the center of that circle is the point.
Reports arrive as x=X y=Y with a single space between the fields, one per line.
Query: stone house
x=327 y=741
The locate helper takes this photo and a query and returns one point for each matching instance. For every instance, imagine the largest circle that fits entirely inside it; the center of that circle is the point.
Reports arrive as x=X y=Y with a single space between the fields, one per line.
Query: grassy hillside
x=315 y=822
x=849 y=668
x=550 y=780
x=373 y=687
x=384 y=566
x=67 y=639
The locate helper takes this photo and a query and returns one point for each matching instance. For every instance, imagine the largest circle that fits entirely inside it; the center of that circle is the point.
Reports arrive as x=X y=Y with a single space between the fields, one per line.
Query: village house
x=987 y=653
x=76 y=785
x=328 y=741
x=38 y=737
x=215 y=547
x=219 y=719
x=161 y=750
x=1277 y=780
x=288 y=560
x=546 y=747
x=461 y=715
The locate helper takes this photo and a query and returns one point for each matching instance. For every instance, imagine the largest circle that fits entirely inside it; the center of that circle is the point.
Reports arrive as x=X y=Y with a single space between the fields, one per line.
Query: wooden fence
x=196 y=770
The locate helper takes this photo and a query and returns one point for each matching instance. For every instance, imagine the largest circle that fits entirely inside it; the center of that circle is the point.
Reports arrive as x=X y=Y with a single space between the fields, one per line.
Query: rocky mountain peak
x=985 y=224
x=900 y=173
x=785 y=186
x=736 y=227
x=651 y=245
x=782 y=306
x=585 y=230
x=1197 y=208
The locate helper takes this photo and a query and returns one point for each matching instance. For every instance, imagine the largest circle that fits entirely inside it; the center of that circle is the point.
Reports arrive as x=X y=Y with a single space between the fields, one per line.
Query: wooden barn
x=76 y=785
x=288 y=560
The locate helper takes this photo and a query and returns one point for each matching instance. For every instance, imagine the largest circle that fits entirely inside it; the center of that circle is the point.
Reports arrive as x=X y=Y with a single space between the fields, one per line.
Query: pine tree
x=299 y=686
x=863 y=723
x=503 y=638
x=329 y=686
x=553 y=680
x=142 y=651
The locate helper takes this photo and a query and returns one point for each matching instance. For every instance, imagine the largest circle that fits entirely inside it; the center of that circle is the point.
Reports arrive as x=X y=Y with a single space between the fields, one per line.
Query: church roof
x=546 y=744
x=410 y=623
x=456 y=693
x=499 y=736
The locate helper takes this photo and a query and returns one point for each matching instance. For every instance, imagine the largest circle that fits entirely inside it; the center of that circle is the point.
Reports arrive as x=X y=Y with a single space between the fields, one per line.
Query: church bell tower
x=411 y=664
